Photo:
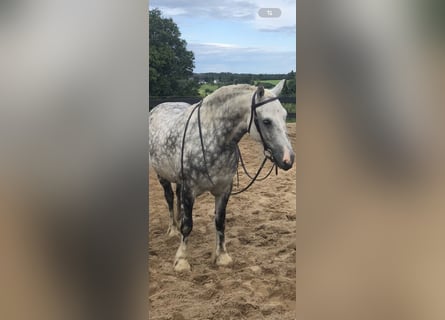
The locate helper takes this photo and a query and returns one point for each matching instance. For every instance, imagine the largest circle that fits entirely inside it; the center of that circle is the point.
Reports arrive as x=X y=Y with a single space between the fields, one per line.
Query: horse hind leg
x=221 y=257
x=187 y=201
x=168 y=193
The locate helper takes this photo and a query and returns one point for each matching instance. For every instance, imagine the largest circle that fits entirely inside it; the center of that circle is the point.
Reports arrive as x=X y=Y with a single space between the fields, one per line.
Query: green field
x=273 y=82
x=290 y=107
x=209 y=87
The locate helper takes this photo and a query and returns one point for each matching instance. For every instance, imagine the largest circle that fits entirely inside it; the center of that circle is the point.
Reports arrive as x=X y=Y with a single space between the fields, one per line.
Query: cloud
x=220 y=45
x=235 y=58
x=285 y=23
x=241 y=44
x=171 y=12
x=229 y=9
x=208 y=48
x=245 y=10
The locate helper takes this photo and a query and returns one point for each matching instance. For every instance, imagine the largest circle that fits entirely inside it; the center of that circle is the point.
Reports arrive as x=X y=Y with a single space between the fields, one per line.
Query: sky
x=230 y=36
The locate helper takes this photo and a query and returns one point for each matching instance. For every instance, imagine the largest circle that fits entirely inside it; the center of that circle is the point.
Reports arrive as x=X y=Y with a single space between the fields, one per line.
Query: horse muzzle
x=284 y=159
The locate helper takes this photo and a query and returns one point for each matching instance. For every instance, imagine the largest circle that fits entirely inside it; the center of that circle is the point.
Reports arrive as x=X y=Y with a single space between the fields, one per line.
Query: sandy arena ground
x=260 y=237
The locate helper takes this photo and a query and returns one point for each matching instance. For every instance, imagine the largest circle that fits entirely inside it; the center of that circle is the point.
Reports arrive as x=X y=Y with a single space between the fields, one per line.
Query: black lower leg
x=220 y=217
x=187 y=201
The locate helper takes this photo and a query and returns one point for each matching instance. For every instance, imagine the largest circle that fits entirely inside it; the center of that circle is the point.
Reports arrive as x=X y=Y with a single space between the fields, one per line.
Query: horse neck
x=229 y=117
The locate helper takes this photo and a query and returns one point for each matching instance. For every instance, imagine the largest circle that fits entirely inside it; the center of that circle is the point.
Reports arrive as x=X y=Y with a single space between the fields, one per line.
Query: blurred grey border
x=73 y=159
x=370 y=159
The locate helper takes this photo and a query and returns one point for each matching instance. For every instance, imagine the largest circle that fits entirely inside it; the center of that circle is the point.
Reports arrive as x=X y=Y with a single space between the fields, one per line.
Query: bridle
x=267 y=151
x=253 y=118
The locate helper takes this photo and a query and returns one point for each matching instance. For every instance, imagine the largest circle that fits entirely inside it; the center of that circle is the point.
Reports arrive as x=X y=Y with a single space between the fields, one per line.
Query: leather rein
x=254 y=119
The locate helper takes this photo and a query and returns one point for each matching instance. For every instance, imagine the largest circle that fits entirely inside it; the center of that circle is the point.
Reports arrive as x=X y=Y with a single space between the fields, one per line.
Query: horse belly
x=164 y=163
x=167 y=172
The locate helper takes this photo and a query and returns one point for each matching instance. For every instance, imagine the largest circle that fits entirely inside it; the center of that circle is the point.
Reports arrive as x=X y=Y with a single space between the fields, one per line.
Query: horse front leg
x=187 y=201
x=221 y=257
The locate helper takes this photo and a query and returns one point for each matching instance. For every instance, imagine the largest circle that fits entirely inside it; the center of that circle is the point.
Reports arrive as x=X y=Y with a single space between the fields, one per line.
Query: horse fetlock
x=182 y=265
x=181 y=253
x=173 y=231
x=186 y=228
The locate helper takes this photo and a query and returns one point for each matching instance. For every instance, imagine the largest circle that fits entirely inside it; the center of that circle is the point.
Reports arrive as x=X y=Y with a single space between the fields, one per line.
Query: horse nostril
x=288 y=160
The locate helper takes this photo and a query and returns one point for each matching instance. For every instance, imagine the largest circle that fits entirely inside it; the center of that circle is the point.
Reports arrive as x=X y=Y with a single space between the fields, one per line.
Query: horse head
x=270 y=126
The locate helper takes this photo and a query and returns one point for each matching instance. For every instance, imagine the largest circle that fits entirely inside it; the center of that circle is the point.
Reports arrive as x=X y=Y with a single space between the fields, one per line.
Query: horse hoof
x=173 y=232
x=182 y=265
x=223 y=260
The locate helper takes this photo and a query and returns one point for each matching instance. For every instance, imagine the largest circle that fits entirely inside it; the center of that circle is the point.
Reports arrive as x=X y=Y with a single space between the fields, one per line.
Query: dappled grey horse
x=195 y=146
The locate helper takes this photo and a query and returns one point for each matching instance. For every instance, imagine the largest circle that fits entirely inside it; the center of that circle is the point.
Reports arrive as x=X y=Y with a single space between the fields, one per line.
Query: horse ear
x=277 y=89
x=260 y=91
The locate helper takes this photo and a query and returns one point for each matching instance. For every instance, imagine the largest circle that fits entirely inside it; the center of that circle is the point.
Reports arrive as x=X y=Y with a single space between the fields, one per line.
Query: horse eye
x=267 y=122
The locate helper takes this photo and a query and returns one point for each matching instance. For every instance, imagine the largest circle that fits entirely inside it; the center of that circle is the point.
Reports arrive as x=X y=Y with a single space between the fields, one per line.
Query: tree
x=290 y=86
x=171 y=64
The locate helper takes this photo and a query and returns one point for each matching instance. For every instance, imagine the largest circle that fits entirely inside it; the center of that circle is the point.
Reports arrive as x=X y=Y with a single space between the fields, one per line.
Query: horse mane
x=221 y=95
